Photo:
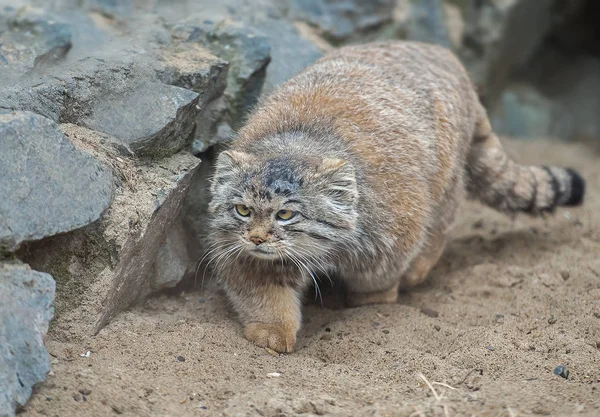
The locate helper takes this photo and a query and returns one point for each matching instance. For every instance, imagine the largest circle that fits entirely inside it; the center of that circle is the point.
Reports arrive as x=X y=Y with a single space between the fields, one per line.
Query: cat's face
x=281 y=208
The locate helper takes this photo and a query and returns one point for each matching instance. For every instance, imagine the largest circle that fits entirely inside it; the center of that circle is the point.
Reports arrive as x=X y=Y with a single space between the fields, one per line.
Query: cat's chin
x=263 y=254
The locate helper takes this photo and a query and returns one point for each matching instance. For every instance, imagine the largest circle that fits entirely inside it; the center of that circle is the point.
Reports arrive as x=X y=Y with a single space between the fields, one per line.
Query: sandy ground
x=509 y=301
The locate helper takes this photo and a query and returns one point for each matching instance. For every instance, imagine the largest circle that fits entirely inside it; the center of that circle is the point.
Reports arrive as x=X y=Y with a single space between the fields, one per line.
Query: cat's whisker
x=318 y=264
x=224 y=247
x=225 y=254
x=217 y=259
x=211 y=249
x=302 y=266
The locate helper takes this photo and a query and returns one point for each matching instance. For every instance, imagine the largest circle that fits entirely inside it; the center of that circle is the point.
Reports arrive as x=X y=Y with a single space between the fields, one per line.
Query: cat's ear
x=231 y=159
x=338 y=181
x=227 y=163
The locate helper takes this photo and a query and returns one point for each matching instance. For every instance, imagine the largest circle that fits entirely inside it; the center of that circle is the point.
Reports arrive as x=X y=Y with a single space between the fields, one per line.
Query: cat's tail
x=504 y=185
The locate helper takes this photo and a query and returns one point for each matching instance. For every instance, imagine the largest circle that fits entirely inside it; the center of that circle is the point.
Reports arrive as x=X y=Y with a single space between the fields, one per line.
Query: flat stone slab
x=48 y=186
x=26 y=308
x=154 y=119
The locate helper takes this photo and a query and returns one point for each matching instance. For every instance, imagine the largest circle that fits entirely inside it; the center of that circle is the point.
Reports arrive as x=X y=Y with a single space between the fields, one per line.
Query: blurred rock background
x=110 y=111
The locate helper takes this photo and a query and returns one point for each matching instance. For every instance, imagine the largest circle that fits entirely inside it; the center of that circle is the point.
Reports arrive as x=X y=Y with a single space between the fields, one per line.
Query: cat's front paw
x=278 y=337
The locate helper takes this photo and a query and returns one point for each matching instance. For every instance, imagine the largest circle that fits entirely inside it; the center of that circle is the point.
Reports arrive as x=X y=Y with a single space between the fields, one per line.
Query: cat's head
x=288 y=207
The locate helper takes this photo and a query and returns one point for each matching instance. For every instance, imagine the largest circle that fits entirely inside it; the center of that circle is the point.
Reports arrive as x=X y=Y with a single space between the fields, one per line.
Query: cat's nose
x=257 y=240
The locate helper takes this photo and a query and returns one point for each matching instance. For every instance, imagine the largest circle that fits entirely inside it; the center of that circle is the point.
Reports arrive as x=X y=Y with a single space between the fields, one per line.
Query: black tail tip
x=577 y=189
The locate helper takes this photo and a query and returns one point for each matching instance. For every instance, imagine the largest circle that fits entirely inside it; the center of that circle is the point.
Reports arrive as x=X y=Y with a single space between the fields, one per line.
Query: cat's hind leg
x=425 y=261
x=380 y=285
x=357 y=299
x=375 y=285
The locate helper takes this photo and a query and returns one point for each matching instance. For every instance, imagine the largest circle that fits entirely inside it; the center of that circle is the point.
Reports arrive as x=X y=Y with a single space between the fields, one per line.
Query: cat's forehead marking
x=278 y=177
x=281 y=176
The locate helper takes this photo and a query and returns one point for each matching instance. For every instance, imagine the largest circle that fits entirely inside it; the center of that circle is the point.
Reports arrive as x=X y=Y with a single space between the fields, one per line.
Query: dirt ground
x=509 y=302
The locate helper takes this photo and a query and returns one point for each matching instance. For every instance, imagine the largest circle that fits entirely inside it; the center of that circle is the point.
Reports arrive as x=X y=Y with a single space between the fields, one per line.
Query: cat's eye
x=285 y=214
x=242 y=210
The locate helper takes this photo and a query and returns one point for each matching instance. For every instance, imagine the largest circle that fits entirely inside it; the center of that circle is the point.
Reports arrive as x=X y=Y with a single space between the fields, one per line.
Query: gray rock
x=499 y=38
x=48 y=185
x=115 y=95
x=107 y=266
x=110 y=8
x=559 y=97
x=212 y=126
x=26 y=308
x=290 y=52
x=244 y=47
x=30 y=39
x=424 y=21
x=524 y=112
x=191 y=66
x=156 y=258
x=341 y=20
x=154 y=119
x=69 y=93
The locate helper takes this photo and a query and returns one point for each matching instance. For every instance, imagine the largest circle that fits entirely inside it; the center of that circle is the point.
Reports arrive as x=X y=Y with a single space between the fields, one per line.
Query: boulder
x=191 y=66
x=153 y=119
x=244 y=47
x=49 y=186
x=343 y=20
x=500 y=36
x=290 y=52
x=424 y=21
x=526 y=113
x=120 y=96
x=105 y=267
x=30 y=38
x=26 y=309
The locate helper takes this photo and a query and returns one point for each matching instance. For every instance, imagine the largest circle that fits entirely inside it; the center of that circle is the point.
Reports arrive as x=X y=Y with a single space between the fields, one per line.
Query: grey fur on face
x=320 y=192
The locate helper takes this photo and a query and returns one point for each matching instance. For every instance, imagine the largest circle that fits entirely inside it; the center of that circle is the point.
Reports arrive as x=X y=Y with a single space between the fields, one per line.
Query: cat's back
x=393 y=92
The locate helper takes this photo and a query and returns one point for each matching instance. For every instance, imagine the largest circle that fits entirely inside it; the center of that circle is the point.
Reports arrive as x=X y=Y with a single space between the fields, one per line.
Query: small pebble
x=375 y=324
x=561 y=370
x=565 y=275
x=326 y=336
x=429 y=312
x=499 y=319
x=327 y=329
x=552 y=320
x=203 y=407
x=385 y=331
x=180 y=358
x=271 y=352
x=490 y=348
x=273 y=375
x=77 y=397
x=596 y=314
x=117 y=409
x=85 y=391
x=437 y=327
